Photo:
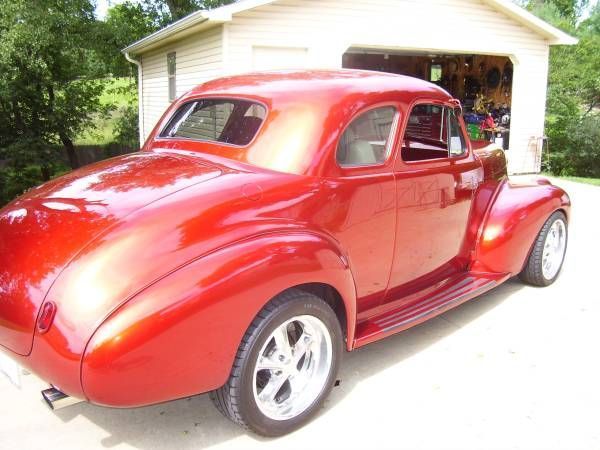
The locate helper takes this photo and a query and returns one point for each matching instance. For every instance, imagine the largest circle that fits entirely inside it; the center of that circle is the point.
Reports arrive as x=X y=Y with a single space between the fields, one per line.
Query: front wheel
x=285 y=366
x=548 y=253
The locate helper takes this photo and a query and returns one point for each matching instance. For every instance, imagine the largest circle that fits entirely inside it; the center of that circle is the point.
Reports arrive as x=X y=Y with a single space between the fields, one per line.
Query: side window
x=432 y=132
x=367 y=140
x=171 y=65
x=457 y=145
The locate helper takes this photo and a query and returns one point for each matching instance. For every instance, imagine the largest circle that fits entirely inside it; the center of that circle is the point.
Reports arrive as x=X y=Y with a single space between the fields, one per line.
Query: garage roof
x=203 y=19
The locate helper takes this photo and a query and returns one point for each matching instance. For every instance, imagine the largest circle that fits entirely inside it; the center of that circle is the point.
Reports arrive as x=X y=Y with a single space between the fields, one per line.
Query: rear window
x=230 y=121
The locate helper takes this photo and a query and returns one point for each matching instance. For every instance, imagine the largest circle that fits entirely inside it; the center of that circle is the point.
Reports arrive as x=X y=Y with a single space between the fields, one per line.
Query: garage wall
x=324 y=29
x=274 y=58
x=198 y=58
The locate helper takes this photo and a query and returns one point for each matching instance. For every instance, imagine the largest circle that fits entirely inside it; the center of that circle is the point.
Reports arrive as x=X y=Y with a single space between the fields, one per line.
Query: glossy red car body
x=157 y=262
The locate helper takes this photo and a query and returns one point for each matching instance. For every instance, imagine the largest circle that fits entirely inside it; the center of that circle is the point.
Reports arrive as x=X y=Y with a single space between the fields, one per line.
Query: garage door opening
x=482 y=83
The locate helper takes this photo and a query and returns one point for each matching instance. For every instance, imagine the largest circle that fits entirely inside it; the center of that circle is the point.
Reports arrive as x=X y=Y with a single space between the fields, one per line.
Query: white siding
x=327 y=28
x=274 y=58
x=198 y=58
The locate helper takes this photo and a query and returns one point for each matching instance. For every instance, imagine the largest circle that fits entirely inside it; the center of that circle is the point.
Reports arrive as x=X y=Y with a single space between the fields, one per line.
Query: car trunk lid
x=45 y=229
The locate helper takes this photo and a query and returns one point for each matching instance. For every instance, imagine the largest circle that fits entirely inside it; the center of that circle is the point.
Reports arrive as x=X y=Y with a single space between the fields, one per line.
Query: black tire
x=236 y=399
x=532 y=273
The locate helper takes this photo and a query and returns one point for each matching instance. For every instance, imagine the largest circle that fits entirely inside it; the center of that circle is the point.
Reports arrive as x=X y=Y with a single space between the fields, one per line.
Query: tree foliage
x=131 y=20
x=127 y=129
x=54 y=57
x=568 y=10
x=572 y=114
x=124 y=23
x=168 y=11
x=49 y=87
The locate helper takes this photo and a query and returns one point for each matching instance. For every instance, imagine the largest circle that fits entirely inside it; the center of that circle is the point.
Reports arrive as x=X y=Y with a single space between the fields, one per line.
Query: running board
x=451 y=293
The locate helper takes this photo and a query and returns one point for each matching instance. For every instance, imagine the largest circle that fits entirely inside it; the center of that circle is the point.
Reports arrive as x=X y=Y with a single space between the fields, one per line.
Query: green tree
x=569 y=10
x=48 y=88
x=572 y=115
x=171 y=10
x=130 y=21
x=124 y=23
x=181 y=8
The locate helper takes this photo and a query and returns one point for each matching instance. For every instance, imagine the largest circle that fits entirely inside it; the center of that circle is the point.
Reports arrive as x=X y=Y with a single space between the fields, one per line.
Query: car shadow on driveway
x=194 y=422
x=381 y=355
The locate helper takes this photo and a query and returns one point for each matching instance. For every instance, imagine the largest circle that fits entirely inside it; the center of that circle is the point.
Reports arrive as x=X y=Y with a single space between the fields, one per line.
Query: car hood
x=45 y=229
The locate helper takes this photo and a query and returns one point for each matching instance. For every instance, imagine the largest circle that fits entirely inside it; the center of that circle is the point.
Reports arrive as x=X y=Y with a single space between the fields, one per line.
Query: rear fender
x=514 y=219
x=179 y=337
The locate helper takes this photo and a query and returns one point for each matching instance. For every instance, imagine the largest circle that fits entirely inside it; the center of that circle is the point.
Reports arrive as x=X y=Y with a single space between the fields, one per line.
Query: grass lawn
x=119 y=92
x=102 y=134
x=594 y=181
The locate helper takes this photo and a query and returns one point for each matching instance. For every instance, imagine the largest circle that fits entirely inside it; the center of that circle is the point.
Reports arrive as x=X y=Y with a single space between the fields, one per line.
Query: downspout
x=138 y=63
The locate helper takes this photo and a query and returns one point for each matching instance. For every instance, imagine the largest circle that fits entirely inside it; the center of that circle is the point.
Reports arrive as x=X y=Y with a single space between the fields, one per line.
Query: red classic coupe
x=271 y=222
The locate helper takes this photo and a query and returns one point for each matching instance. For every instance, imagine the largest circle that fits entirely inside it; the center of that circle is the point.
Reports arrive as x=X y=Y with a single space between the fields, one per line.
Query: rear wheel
x=546 y=258
x=285 y=366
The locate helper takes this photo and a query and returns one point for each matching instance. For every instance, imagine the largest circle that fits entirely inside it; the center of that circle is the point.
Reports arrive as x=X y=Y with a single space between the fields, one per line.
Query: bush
x=25 y=163
x=15 y=182
x=575 y=148
x=573 y=115
x=126 y=130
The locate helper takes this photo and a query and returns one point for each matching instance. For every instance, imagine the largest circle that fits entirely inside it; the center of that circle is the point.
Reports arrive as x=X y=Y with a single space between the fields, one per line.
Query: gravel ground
x=517 y=368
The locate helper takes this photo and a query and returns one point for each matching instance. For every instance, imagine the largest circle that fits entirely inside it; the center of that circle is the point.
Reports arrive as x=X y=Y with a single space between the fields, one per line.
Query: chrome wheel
x=285 y=366
x=292 y=367
x=554 y=249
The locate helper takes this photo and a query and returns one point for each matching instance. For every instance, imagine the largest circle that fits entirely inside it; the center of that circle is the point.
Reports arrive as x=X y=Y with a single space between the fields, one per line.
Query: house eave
x=553 y=35
x=196 y=21
x=188 y=24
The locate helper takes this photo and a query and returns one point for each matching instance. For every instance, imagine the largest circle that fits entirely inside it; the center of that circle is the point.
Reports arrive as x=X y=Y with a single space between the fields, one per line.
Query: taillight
x=46 y=317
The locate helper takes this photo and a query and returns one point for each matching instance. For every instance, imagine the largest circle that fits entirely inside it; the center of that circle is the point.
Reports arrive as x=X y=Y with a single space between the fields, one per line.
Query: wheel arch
x=515 y=218
x=211 y=303
x=333 y=298
x=532 y=246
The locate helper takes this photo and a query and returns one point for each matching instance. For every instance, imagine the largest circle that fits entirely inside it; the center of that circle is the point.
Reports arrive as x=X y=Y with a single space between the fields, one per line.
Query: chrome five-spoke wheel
x=554 y=249
x=548 y=252
x=292 y=367
x=285 y=366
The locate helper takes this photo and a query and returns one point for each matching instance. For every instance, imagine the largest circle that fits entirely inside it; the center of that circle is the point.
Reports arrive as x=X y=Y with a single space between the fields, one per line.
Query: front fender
x=179 y=337
x=513 y=222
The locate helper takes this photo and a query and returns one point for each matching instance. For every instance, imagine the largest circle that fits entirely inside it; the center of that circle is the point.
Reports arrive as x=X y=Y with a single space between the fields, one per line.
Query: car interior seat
x=244 y=132
x=360 y=152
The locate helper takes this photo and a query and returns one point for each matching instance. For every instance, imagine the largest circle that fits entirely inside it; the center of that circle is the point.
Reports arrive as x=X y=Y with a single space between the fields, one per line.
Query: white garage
x=490 y=54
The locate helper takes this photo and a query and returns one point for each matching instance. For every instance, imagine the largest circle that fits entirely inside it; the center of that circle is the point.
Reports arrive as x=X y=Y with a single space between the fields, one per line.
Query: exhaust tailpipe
x=57 y=399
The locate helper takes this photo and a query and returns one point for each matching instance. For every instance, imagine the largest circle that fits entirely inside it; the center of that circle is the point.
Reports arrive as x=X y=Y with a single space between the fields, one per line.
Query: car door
x=436 y=175
x=360 y=210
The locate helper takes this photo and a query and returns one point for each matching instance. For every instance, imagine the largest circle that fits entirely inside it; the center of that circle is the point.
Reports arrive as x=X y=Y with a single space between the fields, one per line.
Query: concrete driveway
x=517 y=368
